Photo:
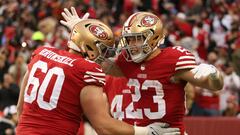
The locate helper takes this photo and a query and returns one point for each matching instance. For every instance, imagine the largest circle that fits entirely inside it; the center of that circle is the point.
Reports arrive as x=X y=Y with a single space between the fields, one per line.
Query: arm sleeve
x=94 y=75
x=185 y=60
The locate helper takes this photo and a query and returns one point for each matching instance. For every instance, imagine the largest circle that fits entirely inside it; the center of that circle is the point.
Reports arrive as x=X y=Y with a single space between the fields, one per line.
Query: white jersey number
x=138 y=113
x=38 y=90
x=181 y=49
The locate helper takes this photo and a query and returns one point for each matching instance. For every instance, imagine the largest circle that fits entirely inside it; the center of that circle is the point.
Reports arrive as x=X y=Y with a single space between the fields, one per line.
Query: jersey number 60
x=38 y=90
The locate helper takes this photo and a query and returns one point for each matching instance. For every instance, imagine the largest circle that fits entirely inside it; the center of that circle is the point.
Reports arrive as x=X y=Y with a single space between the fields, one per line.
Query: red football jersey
x=52 y=95
x=148 y=93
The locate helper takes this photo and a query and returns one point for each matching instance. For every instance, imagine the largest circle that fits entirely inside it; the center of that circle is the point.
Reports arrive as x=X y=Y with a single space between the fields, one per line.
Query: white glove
x=204 y=70
x=162 y=129
x=156 y=129
x=71 y=19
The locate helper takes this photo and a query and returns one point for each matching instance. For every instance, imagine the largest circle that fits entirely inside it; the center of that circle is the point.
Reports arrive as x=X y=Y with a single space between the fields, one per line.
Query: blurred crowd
x=210 y=29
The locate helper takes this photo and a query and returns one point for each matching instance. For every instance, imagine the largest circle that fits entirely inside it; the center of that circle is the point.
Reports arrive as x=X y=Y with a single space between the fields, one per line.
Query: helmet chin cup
x=138 y=58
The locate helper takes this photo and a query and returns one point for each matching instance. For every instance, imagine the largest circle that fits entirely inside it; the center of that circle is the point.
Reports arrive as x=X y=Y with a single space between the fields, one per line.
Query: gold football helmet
x=146 y=28
x=93 y=39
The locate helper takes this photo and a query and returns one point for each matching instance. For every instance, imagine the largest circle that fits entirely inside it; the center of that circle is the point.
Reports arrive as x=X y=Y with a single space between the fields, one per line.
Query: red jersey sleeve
x=94 y=75
x=185 y=59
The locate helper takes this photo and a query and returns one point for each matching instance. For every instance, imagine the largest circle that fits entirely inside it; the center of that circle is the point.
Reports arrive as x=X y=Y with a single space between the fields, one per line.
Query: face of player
x=134 y=47
x=135 y=44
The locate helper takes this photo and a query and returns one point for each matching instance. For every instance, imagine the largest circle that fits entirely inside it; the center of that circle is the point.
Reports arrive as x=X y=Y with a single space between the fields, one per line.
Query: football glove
x=162 y=129
x=72 y=18
x=204 y=70
x=157 y=129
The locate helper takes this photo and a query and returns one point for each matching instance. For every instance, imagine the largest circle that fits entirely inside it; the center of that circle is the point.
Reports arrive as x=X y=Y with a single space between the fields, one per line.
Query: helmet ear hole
x=91 y=55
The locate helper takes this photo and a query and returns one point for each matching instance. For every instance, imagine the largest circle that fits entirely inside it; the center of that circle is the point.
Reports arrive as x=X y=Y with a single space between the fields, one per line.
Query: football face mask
x=105 y=52
x=134 y=46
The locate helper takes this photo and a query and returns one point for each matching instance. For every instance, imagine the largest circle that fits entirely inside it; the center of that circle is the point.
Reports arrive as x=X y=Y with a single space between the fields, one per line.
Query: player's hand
x=72 y=18
x=204 y=70
x=162 y=129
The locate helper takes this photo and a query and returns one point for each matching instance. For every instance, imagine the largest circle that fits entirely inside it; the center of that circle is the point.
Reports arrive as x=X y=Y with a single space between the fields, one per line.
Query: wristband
x=140 y=130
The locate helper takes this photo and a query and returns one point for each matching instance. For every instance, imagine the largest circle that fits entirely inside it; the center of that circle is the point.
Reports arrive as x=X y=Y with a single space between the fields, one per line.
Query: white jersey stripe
x=186 y=57
x=90 y=80
x=93 y=80
x=91 y=76
x=95 y=73
x=186 y=62
x=103 y=82
x=185 y=67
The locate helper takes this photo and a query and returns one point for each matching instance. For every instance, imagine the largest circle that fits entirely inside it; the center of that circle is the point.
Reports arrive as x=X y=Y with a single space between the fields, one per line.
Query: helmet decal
x=128 y=23
x=98 y=32
x=131 y=19
x=148 y=20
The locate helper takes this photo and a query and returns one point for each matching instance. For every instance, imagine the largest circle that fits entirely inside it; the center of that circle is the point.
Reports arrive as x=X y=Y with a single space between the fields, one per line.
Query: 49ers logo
x=98 y=32
x=149 y=20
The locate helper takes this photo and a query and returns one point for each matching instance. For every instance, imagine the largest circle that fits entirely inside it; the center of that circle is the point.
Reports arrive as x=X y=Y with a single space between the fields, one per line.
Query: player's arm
x=106 y=102
x=204 y=75
x=95 y=109
x=111 y=68
x=21 y=95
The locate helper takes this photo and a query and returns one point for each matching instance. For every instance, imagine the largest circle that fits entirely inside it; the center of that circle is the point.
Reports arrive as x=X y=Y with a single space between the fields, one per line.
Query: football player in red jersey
x=60 y=86
x=152 y=89
x=156 y=77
